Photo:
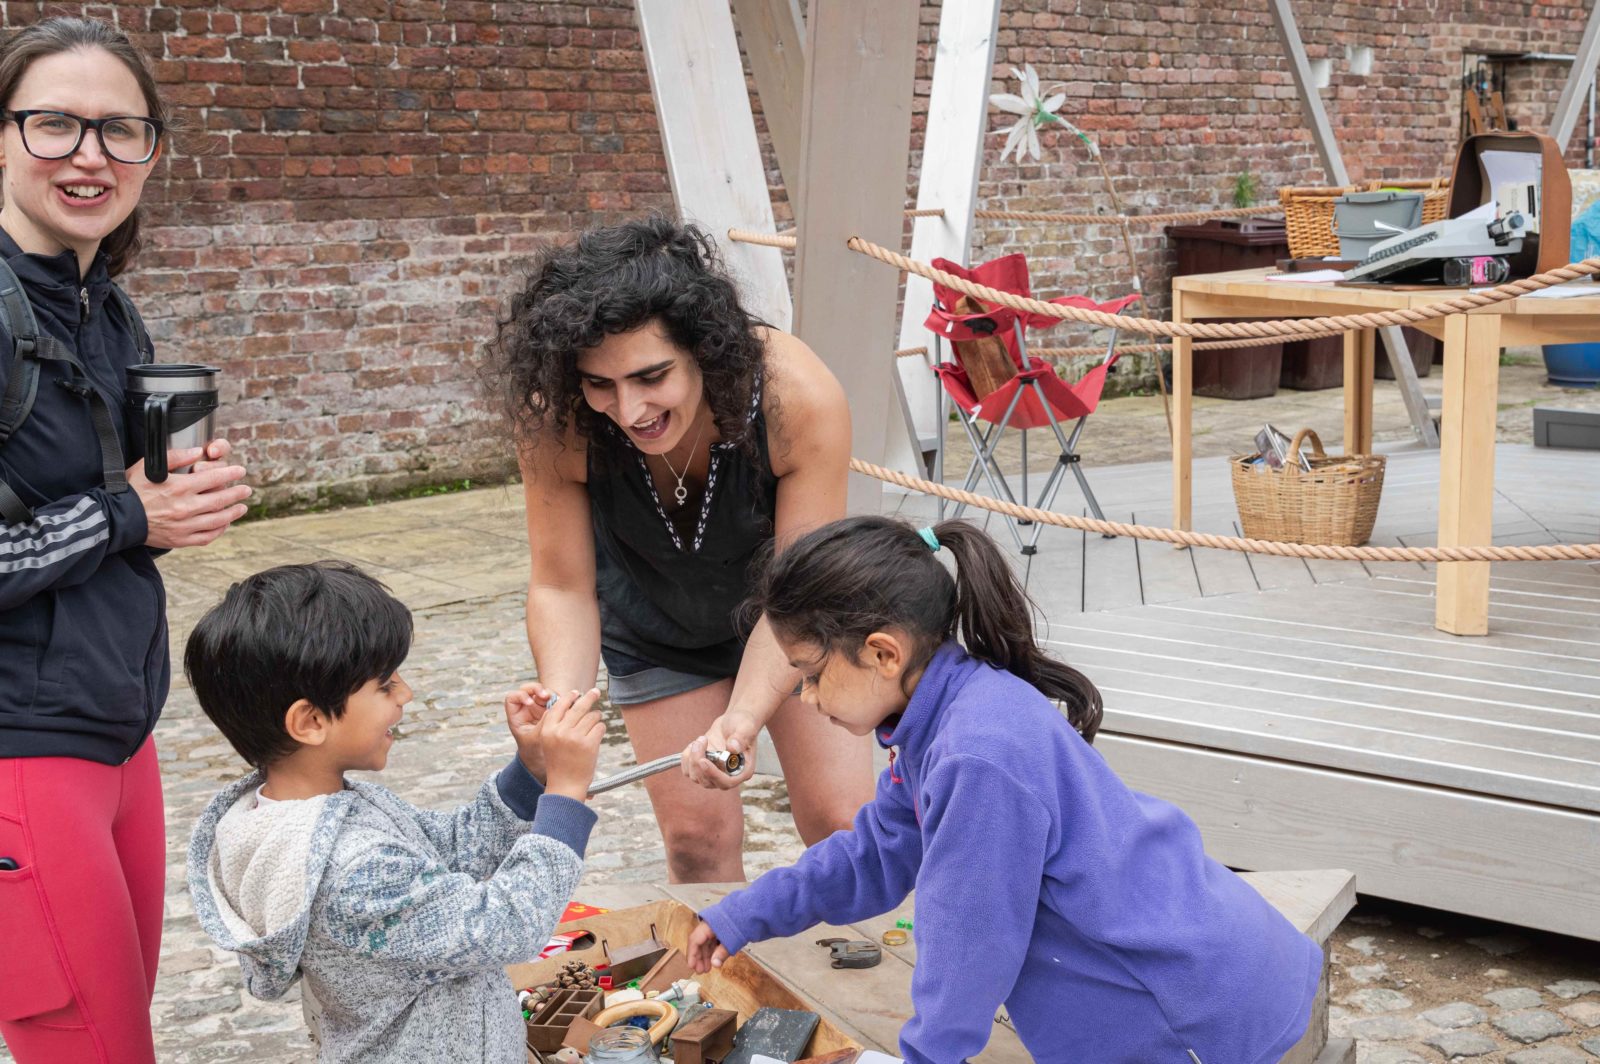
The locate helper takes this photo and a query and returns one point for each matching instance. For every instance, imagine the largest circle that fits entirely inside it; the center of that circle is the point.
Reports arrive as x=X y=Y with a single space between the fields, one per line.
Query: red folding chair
x=993 y=391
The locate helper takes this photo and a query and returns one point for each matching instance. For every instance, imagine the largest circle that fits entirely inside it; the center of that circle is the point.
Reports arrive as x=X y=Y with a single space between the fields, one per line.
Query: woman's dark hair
x=614 y=279
x=53 y=36
x=319 y=632
x=838 y=584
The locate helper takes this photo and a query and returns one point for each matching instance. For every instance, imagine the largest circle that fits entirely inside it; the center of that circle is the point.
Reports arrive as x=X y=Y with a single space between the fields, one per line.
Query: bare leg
x=703 y=829
x=828 y=770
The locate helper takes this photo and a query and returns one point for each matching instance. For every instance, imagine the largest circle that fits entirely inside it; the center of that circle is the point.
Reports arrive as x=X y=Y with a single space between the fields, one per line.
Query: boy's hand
x=570 y=735
x=705 y=951
x=524 y=710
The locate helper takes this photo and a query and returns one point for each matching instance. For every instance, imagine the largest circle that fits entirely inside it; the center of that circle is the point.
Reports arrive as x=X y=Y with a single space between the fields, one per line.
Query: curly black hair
x=614 y=279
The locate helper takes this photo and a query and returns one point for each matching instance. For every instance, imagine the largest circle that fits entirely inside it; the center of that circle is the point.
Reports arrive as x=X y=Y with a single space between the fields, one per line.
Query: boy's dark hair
x=614 y=279
x=838 y=584
x=318 y=632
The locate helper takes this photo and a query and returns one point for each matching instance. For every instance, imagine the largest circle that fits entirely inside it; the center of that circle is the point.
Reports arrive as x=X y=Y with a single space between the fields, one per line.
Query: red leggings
x=80 y=917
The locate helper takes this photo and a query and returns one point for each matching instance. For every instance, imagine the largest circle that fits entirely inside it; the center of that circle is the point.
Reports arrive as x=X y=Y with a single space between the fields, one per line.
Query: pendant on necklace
x=681 y=494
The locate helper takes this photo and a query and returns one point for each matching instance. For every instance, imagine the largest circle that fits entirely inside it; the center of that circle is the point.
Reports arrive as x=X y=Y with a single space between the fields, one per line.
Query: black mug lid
x=173 y=369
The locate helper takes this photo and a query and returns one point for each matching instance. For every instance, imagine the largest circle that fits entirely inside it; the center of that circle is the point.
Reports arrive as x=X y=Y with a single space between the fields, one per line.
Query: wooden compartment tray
x=742 y=984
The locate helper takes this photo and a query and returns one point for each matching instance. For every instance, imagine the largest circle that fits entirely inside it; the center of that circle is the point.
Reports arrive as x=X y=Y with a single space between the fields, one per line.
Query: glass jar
x=620 y=1045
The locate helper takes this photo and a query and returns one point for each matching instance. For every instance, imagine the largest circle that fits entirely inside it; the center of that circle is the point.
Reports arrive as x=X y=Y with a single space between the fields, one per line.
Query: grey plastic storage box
x=1356 y=214
x=1566 y=428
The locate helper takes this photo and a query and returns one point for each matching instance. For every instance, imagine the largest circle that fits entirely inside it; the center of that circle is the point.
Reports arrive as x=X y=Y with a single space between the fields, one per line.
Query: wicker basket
x=1333 y=505
x=1308 y=212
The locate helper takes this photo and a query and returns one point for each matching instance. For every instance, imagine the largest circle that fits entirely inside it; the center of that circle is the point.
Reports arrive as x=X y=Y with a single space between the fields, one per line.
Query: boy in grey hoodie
x=400 y=919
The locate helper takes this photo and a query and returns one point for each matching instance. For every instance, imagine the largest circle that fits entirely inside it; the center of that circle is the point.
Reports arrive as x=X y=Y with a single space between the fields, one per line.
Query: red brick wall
x=366 y=175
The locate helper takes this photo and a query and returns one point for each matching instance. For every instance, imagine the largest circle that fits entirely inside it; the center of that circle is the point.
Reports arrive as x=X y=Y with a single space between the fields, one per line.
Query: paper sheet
x=1307 y=277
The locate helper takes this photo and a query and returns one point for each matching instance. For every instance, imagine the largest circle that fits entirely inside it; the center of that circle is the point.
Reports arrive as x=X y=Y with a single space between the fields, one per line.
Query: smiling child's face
x=857 y=695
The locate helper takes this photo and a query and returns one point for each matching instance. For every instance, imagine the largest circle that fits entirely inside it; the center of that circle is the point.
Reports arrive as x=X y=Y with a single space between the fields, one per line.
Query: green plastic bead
x=904 y=925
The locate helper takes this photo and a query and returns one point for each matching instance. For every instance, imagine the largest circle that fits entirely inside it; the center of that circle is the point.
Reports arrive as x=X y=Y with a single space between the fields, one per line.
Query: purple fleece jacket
x=1043 y=882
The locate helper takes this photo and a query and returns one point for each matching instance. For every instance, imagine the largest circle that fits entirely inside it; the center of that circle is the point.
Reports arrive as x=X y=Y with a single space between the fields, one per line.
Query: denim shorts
x=632 y=680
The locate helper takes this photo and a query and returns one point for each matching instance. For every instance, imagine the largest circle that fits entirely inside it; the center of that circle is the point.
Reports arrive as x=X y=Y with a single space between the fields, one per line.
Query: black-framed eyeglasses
x=58 y=134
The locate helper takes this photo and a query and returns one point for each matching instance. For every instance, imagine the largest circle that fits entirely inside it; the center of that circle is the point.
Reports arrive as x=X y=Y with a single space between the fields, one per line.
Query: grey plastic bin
x=1356 y=214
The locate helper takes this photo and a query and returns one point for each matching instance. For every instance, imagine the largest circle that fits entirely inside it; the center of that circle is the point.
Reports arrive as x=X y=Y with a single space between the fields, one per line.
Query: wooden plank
x=872 y=1004
x=1358 y=373
x=1228 y=644
x=1110 y=572
x=1182 y=417
x=1273 y=572
x=855 y=145
x=1395 y=613
x=1466 y=461
x=1222 y=572
x=774 y=34
x=1490 y=857
x=709 y=138
x=1165 y=574
x=1356 y=638
x=1055 y=574
x=1372 y=751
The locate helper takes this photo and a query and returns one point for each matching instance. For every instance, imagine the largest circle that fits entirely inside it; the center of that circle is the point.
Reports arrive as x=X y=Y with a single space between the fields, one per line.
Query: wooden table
x=871 y=1005
x=1472 y=344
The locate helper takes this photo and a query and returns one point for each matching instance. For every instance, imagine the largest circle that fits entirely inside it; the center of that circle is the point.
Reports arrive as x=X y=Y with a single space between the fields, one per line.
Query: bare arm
x=810 y=449
x=563 y=613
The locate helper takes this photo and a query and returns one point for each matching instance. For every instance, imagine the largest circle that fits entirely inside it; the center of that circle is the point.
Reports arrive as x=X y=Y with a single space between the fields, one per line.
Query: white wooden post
x=952 y=156
x=708 y=133
x=1578 y=80
x=1394 y=341
x=775 y=40
x=855 y=147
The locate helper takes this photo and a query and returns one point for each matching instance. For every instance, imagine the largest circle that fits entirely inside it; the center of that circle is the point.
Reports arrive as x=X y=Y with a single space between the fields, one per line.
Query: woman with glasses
x=83 y=634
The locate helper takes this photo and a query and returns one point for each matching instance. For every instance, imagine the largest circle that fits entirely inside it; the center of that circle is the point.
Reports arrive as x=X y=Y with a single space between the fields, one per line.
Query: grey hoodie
x=400 y=919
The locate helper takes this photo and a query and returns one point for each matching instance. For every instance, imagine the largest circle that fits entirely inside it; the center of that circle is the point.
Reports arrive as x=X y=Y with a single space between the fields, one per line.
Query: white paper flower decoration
x=1035 y=110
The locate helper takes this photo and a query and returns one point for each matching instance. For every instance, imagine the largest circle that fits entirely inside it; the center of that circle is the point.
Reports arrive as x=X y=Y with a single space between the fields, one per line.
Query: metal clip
x=852 y=953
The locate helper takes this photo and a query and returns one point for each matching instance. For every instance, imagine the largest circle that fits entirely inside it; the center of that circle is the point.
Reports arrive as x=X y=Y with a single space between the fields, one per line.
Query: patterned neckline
x=717 y=451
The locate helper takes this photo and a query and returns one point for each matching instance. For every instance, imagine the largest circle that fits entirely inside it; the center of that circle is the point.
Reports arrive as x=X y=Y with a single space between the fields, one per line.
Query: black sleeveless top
x=663 y=598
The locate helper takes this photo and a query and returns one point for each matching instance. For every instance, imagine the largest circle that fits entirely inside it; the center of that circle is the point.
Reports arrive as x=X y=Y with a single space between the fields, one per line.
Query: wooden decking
x=1308 y=714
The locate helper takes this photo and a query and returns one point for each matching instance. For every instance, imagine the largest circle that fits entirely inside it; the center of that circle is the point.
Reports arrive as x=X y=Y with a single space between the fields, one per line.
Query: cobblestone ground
x=1409 y=984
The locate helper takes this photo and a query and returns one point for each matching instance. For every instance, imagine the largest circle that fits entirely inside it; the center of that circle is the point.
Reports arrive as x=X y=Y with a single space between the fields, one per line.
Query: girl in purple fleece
x=1043 y=883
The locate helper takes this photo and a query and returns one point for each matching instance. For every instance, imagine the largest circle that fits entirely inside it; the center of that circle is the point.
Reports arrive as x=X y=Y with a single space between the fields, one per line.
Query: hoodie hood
x=254 y=870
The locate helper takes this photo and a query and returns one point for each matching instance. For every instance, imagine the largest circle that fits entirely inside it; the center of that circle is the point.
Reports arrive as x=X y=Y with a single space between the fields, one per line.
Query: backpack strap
x=29 y=349
x=130 y=317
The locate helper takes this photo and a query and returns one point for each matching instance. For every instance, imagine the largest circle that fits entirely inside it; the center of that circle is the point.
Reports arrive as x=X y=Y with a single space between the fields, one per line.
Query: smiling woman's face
x=52 y=205
x=649 y=386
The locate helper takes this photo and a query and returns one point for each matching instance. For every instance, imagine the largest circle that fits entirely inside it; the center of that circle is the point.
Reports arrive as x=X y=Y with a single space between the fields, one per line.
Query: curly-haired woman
x=665 y=436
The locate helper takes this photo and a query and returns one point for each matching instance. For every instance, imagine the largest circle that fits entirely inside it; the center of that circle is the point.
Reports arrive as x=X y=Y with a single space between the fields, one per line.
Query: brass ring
x=894 y=937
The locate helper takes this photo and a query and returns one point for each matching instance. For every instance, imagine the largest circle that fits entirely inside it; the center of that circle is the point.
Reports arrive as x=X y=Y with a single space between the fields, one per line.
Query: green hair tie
x=929 y=538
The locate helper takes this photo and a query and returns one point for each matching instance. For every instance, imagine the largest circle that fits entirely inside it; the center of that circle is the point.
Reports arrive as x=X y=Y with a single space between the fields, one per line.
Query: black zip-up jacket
x=83 y=628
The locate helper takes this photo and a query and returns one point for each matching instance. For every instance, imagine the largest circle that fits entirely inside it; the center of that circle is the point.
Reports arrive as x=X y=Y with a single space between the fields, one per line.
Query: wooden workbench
x=872 y=1004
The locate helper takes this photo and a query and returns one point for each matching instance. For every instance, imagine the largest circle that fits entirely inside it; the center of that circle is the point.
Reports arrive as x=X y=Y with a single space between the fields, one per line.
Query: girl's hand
x=733 y=732
x=189 y=509
x=705 y=951
x=570 y=734
x=524 y=710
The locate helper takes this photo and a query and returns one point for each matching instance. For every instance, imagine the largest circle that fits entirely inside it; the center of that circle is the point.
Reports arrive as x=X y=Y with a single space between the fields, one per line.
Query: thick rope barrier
x=1179 y=537
x=1115 y=219
x=1288 y=328
x=1173 y=217
x=1293 y=328
x=1125 y=349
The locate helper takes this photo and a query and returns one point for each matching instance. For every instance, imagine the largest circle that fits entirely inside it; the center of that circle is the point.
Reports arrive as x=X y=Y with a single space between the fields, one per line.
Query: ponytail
x=838 y=584
x=994 y=617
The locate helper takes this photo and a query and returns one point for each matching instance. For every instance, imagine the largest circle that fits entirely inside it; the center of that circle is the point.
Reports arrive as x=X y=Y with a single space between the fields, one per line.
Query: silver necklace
x=680 y=492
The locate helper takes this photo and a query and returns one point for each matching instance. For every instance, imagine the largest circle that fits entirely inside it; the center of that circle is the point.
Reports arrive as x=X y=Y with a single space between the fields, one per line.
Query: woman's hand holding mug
x=192 y=509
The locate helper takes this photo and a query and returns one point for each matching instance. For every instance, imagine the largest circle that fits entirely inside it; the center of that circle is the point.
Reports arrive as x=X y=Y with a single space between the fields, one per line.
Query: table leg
x=1360 y=349
x=1182 y=421
x=1466 y=468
